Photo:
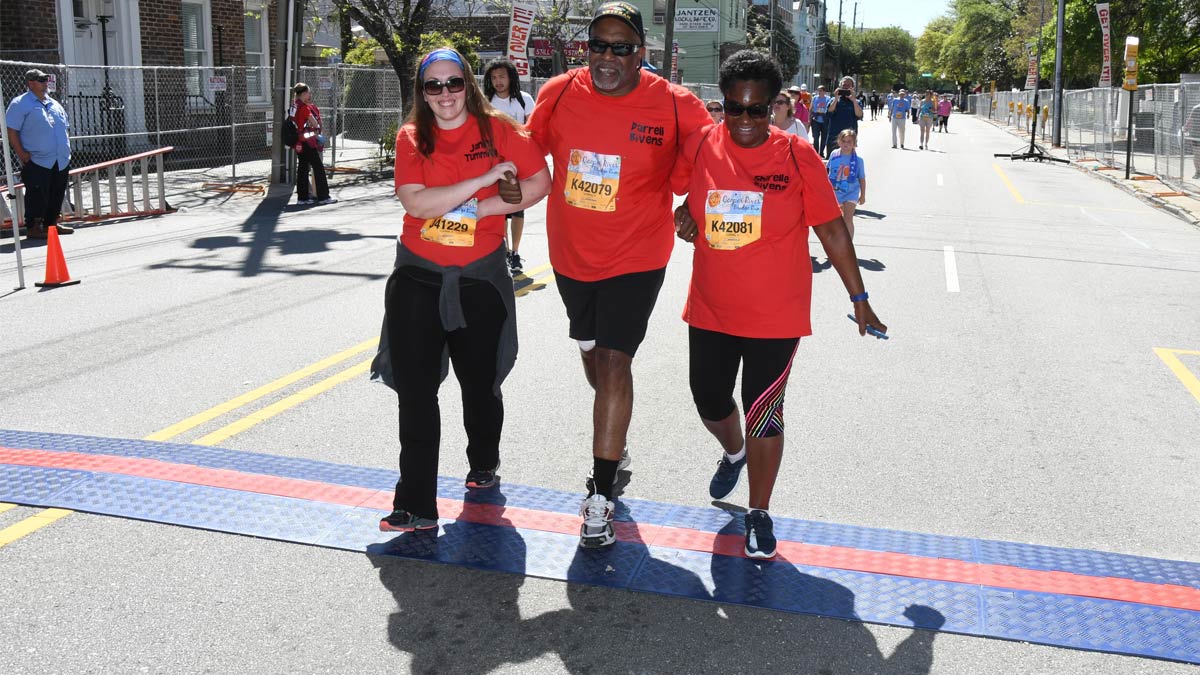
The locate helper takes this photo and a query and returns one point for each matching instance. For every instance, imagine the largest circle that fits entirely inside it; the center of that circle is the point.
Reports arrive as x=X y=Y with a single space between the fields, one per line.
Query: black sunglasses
x=597 y=46
x=43 y=79
x=454 y=84
x=757 y=111
x=714 y=109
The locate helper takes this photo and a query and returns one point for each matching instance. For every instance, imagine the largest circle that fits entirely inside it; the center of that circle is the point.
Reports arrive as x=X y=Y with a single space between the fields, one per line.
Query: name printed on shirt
x=644 y=133
x=480 y=150
x=775 y=183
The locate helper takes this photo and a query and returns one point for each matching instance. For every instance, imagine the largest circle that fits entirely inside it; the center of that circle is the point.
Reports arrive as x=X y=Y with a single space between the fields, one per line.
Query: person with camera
x=844 y=113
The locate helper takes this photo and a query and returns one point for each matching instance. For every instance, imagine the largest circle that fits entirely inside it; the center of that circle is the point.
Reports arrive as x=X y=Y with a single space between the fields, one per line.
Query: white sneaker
x=597 y=528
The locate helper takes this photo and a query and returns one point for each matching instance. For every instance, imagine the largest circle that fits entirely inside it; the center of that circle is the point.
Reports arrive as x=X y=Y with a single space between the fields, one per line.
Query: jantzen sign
x=697 y=20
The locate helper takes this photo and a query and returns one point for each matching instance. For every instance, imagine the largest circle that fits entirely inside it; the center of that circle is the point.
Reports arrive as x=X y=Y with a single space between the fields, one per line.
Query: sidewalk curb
x=1181 y=213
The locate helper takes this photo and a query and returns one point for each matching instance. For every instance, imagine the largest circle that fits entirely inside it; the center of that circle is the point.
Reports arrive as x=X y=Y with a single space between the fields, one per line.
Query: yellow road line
x=1181 y=371
x=529 y=274
x=285 y=404
x=1009 y=184
x=537 y=285
x=7 y=507
x=251 y=396
x=31 y=524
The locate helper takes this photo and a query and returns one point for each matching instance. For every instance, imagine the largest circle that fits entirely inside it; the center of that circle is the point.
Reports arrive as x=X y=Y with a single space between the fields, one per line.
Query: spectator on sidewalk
x=502 y=88
x=308 y=149
x=37 y=132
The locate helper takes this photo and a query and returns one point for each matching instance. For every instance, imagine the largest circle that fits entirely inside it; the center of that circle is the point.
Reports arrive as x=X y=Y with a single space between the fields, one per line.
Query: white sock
x=738 y=457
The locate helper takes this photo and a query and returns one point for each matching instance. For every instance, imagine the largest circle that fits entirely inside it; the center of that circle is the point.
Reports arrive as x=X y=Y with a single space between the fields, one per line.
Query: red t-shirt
x=458 y=154
x=609 y=209
x=751 y=273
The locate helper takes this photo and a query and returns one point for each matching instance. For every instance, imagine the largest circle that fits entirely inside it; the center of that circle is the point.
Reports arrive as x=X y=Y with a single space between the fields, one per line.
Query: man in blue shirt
x=37 y=133
x=819 y=110
x=898 y=109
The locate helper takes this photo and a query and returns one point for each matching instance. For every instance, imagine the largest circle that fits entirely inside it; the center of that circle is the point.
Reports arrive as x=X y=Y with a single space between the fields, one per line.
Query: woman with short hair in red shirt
x=461 y=165
x=756 y=190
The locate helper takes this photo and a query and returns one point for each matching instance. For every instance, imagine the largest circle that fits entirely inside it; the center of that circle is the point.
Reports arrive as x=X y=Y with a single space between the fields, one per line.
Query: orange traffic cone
x=56 y=265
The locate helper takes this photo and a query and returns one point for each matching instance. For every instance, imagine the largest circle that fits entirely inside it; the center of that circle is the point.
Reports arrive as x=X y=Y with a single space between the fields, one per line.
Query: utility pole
x=854 y=20
x=669 y=38
x=771 y=35
x=839 y=42
x=1056 y=134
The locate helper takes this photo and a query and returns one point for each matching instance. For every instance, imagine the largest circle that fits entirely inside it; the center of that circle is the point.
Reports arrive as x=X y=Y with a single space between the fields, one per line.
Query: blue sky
x=911 y=15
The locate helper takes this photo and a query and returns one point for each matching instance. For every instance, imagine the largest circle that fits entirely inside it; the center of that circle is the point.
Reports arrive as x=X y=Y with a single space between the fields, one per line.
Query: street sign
x=324 y=82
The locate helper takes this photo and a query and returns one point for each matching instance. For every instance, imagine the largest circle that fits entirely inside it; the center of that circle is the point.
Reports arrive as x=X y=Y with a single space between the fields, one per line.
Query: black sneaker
x=515 y=264
x=481 y=479
x=726 y=477
x=403 y=521
x=760 y=535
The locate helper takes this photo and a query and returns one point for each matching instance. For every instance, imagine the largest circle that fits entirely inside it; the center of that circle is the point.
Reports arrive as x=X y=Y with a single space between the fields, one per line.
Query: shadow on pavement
x=872 y=265
x=452 y=619
x=873 y=215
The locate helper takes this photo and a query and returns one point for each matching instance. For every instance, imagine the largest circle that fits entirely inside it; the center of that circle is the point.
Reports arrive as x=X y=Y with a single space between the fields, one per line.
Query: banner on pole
x=1031 y=80
x=1106 y=40
x=520 y=26
x=675 y=62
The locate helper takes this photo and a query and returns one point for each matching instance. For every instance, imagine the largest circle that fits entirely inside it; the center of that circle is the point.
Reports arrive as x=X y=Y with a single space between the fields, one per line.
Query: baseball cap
x=35 y=74
x=624 y=11
x=804 y=87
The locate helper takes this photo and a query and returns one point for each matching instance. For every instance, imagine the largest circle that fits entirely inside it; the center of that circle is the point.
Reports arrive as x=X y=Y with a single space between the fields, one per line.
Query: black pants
x=311 y=157
x=44 y=190
x=819 y=137
x=416 y=340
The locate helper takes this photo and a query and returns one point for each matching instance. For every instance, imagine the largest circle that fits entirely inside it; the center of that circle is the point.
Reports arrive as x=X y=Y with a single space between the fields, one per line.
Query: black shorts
x=713 y=360
x=615 y=311
x=517 y=214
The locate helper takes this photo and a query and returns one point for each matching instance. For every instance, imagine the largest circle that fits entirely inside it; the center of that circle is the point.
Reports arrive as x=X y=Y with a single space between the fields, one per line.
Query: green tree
x=397 y=26
x=887 y=56
x=559 y=22
x=977 y=48
x=787 y=52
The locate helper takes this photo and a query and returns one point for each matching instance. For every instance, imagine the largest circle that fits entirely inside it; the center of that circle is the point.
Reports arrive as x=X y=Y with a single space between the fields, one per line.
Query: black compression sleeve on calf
x=604 y=474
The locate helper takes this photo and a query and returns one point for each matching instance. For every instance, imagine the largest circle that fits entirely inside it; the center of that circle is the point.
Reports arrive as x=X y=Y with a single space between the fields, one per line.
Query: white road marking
x=951 y=270
x=941 y=182
x=1128 y=236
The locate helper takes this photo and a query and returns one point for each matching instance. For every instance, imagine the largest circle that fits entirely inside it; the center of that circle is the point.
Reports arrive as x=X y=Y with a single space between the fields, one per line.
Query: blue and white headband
x=443 y=54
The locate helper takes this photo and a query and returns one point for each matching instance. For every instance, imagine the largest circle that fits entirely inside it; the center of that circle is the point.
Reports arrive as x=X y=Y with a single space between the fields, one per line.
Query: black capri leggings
x=766 y=363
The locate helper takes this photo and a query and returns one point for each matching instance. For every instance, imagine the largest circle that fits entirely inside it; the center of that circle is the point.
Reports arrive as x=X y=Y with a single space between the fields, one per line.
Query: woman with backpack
x=502 y=88
x=309 y=143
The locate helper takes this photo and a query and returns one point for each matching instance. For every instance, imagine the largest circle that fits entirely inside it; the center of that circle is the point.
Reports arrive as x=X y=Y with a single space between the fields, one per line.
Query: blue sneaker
x=760 y=535
x=726 y=477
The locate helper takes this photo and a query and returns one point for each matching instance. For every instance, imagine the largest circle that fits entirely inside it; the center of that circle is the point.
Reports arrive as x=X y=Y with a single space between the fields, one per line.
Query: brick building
x=143 y=104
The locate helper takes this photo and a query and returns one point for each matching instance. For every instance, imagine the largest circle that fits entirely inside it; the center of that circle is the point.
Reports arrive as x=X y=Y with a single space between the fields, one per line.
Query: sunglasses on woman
x=714 y=109
x=434 y=87
x=597 y=46
x=757 y=111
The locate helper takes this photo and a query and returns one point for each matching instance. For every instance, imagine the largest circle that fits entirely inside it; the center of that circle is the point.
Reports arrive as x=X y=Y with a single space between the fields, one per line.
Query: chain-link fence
x=1165 y=118
x=219 y=121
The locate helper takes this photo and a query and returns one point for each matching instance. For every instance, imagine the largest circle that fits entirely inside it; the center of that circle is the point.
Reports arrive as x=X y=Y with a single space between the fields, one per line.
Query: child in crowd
x=848 y=174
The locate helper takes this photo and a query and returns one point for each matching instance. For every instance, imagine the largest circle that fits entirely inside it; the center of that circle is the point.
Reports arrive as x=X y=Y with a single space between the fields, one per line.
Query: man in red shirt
x=613 y=131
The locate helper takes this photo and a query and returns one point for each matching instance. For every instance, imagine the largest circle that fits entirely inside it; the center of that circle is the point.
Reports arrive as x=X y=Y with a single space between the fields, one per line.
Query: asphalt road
x=1019 y=398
